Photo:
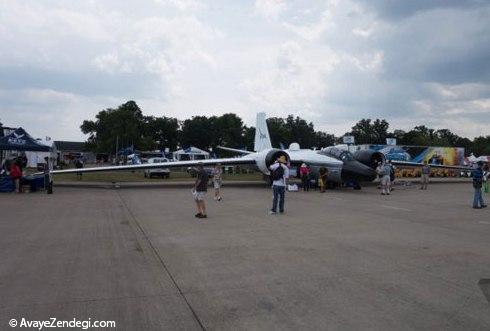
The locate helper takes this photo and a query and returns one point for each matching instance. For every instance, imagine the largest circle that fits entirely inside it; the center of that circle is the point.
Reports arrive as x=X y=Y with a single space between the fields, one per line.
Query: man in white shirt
x=279 y=175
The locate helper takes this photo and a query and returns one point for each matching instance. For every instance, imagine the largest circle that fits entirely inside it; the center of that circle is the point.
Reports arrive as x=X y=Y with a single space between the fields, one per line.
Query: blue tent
x=20 y=140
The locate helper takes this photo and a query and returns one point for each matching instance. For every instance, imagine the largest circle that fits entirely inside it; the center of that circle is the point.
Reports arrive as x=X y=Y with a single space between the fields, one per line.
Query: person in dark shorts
x=79 y=165
x=304 y=172
x=199 y=191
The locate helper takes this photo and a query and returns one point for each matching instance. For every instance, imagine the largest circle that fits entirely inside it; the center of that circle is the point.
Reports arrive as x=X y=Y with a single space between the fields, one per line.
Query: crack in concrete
x=162 y=262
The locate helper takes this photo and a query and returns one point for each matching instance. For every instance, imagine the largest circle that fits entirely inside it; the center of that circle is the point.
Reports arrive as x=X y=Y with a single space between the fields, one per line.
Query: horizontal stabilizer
x=439 y=166
x=234 y=150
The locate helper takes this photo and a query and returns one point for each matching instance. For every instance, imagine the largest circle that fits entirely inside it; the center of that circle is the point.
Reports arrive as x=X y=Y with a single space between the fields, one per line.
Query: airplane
x=360 y=166
x=261 y=158
x=356 y=168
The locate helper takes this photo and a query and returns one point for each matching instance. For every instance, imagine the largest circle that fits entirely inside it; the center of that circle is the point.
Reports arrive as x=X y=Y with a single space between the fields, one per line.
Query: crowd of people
x=279 y=175
x=15 y=170
x=308 y=178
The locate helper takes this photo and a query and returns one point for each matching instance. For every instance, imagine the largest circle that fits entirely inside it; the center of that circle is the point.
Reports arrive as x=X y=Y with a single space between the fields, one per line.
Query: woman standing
x=304 y=173
x=323 y=179
x=16 y=174
x=217 y=181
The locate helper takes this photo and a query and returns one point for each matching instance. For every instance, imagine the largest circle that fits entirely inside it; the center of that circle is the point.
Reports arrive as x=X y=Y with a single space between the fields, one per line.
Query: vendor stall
x=20 y=140
x=191 y=153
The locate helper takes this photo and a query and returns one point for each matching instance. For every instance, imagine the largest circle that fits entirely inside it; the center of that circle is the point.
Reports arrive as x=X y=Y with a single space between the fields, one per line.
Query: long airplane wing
x=234 y=150
x=176 y=164
x=440 y=166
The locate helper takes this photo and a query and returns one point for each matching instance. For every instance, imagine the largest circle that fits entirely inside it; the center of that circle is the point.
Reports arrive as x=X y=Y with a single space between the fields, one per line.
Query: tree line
x=126 y=126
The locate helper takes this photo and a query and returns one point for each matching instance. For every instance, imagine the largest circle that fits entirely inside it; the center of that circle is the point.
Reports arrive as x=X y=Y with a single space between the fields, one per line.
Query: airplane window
x=346 y=156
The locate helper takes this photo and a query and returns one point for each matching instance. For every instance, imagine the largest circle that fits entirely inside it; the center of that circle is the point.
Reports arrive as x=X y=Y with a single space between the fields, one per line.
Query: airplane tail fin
x=262 y=138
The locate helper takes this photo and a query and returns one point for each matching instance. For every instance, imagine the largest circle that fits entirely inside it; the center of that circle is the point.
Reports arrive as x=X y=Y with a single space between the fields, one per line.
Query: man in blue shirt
x=477 y=184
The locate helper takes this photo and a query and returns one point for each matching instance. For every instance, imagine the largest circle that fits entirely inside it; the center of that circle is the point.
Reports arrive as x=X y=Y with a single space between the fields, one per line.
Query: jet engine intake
x=369 y=157
x=268 y=157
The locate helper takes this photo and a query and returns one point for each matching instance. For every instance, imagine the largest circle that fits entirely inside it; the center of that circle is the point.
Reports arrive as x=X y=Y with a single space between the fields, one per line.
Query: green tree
x=229 y=131
x=123 y=124
x=481 y=146
x=323 y=139
x=368 y=132
x=198 y=132
x=278 y=131
x=300 y=132
x=161 y=132
x=248 y=137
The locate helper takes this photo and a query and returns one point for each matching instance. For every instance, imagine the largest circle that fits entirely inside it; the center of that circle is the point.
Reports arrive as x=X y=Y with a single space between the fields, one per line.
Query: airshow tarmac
x=343 y=260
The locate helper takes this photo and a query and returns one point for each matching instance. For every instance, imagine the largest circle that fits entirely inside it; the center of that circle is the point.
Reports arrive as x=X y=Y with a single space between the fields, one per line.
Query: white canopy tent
x=33 y=158
x=191 y=153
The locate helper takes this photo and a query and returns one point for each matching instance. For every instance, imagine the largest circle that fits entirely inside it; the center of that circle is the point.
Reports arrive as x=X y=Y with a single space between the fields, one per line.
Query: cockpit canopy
x=337 y=153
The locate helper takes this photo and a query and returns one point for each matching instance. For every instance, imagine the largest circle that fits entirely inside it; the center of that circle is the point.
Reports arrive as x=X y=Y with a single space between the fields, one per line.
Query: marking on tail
x=262 y=139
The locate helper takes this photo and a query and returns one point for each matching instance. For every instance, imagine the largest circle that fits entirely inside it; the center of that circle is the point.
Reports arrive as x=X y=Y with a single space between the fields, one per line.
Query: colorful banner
x=420 y=154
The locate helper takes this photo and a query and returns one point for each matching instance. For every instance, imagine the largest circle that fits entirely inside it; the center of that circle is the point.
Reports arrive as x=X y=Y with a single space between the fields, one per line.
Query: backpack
x=278 y=173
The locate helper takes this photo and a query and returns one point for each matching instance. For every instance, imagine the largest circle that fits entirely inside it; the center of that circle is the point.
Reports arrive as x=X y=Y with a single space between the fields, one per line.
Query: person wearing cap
x=199 y=191
x=478 y=202
x=279 y=175
x=304 y=173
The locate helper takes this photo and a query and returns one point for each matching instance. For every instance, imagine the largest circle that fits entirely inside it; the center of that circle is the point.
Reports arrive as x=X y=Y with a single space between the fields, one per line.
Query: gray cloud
x=447 y=46
x=399 y=9
x=410 y=61
x=91 y=82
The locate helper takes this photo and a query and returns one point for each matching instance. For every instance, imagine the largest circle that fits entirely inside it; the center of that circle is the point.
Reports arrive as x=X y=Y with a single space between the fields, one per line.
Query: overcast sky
x=331 y=62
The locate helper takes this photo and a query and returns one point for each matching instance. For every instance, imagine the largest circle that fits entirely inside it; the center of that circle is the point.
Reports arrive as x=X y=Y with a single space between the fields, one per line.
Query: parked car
x=158 y=172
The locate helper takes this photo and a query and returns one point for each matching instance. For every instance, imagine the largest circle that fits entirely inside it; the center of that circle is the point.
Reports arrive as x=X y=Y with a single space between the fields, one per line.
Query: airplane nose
x=359 y=170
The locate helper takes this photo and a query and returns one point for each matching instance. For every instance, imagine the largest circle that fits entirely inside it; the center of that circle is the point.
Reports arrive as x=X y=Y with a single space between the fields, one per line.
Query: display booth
x=191 y=153
x=20 y=140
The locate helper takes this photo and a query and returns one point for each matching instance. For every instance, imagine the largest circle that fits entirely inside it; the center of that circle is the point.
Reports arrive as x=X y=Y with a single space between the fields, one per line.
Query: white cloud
x=293 y=81
x=270 y=9
x=183 y=5
x=110 y=63
x=312 y=31
x=368 y=62
x=335 y=61
x=48 y=112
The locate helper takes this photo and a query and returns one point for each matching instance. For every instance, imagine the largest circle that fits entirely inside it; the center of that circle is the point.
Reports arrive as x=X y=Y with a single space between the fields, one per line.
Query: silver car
x=158 y=172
